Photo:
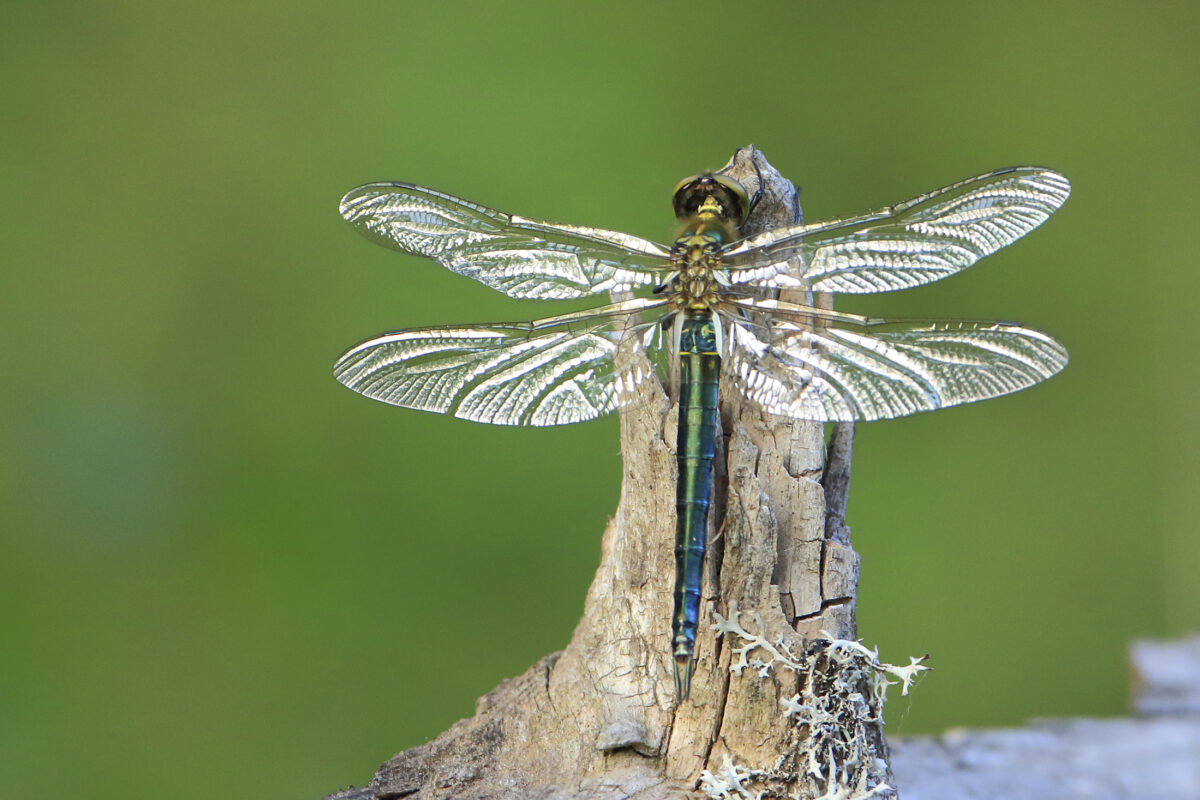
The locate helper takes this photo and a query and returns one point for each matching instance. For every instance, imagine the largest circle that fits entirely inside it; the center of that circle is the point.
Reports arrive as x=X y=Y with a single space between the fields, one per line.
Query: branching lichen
x=843 y=688
x=730 y=781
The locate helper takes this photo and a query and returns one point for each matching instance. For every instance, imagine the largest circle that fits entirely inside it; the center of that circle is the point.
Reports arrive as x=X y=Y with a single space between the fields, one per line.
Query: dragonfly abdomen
x=699 y=373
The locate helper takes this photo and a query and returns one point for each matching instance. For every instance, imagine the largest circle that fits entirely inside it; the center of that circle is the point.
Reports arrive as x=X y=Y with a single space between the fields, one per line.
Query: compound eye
x=679 y=187
x=690 y=193
x=739 y=196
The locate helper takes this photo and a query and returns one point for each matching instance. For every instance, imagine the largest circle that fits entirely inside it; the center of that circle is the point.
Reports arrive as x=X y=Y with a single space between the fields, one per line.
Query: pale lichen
x=838 y=713
x=730 y=781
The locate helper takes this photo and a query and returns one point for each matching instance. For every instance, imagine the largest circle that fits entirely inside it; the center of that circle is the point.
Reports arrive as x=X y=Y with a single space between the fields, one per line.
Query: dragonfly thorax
x=711 y=210
x=696 y=257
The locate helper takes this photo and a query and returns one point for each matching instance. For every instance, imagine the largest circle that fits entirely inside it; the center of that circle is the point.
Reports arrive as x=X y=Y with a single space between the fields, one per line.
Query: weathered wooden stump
x=782 y=698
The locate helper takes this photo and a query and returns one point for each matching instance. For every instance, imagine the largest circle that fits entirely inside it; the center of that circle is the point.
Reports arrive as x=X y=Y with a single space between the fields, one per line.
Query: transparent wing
x=550 y=372
x=521 y=257
x=828 y=366
x=923 y=240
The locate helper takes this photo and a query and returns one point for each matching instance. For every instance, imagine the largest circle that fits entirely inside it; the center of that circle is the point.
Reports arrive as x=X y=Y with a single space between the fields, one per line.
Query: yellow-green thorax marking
x=711 y=209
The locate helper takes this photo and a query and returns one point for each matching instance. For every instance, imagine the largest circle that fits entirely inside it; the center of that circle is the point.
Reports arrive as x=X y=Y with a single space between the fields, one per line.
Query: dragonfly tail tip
x=683 y=677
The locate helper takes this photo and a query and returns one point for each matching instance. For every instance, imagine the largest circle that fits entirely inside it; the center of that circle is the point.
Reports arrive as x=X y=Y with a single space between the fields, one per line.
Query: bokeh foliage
x=221 y=569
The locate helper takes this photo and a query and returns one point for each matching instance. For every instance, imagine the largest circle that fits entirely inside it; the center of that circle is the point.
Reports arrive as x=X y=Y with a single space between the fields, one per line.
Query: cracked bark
x=599 y=719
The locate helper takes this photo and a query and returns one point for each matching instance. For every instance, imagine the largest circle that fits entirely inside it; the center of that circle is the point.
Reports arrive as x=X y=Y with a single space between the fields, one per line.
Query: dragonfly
x=704 y=311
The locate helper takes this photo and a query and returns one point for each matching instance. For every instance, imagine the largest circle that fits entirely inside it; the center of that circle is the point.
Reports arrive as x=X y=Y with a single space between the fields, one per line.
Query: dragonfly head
x=712 y=195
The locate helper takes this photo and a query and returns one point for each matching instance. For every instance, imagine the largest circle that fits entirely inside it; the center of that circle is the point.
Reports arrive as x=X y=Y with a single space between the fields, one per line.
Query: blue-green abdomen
x=699 y=372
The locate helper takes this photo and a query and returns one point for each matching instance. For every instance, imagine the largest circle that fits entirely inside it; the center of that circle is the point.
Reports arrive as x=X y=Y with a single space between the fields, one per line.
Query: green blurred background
x=222 y=569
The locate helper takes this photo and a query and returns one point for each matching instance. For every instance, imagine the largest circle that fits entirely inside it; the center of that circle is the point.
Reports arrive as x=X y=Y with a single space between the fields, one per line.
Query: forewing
x=923 y=240
x=509 y=374
x=884 y=370
x=521 y=257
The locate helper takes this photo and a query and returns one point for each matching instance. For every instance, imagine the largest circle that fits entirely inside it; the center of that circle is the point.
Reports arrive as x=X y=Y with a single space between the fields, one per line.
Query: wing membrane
x=550 y=372
x=806 y=369
x=521 y=257
x=920 y=241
